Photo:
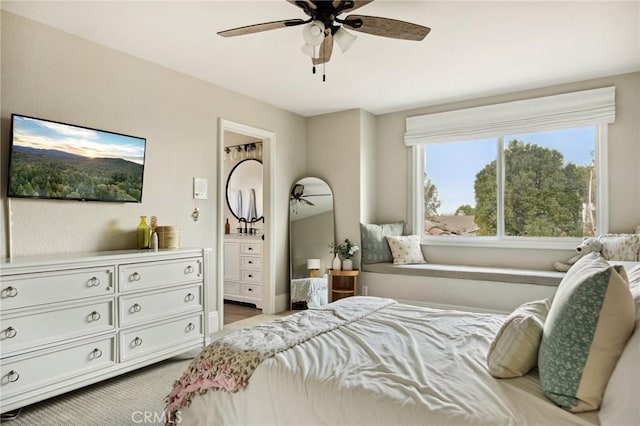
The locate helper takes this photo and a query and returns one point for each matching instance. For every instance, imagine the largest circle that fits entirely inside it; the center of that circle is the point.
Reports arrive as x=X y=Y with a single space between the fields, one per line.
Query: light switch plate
x=200 y=188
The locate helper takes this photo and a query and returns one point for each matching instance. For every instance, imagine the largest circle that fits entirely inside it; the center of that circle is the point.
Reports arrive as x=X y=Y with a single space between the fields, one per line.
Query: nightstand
x=343 y=284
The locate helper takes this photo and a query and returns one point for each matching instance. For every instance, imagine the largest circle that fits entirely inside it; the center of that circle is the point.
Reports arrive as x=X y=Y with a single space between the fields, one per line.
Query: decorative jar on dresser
x=69 y=321
x=243 y=269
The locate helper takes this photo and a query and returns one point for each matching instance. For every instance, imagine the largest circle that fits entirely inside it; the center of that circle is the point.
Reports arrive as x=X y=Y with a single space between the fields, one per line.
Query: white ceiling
x=475 y=48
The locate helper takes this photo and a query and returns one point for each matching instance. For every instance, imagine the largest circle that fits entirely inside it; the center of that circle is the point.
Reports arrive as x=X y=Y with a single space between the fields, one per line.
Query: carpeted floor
x=135 y=398
x=132 y=399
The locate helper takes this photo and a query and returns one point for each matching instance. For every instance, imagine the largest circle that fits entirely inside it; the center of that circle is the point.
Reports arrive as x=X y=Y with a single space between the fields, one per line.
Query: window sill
x=495 y=242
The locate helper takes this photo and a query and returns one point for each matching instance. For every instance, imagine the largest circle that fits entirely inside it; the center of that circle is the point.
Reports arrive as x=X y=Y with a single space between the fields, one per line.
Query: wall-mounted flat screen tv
x=53 y=160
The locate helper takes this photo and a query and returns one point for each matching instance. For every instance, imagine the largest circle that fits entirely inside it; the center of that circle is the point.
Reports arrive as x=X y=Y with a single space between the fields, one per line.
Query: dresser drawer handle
x=135 y=277
x=13 y=376
x=11 y=291
x=10 y=332
x=96 y=353
x=249 y=289
x=190 y=327
x=250 y=248
x=250 y=262
x=250 y=276
x=189 y=297
x=136 y=308
x=94 y=282
x=188 y=269
x=137 y=341
x=94 y=316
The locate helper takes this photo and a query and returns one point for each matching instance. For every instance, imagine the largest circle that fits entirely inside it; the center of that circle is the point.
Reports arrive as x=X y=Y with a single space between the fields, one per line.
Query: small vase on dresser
x=347 y=265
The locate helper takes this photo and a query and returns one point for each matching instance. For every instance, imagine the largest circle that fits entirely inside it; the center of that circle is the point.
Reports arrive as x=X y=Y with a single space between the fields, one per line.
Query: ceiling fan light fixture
x=310 y=50
x=344 y=39
x=313 y=33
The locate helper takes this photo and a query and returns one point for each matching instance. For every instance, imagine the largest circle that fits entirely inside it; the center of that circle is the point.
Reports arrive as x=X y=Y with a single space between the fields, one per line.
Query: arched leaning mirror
x=244 y=190
x=311 y=230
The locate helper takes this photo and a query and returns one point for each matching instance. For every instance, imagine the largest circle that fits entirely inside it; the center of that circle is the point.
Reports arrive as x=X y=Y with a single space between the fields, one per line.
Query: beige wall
x=334 y=155
x=50 y=74
x=368 y=171
x=624 y=172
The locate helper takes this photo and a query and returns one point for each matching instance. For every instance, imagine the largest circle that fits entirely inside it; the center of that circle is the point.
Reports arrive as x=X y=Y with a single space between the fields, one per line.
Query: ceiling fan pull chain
x=323 y=76
x=314 y=55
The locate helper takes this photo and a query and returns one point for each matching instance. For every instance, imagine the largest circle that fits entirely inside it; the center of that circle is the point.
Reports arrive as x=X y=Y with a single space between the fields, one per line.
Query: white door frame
x=268 y=160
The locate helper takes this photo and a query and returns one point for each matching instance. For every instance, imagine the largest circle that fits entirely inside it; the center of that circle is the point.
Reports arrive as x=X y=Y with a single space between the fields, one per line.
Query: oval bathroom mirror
x=244 y=190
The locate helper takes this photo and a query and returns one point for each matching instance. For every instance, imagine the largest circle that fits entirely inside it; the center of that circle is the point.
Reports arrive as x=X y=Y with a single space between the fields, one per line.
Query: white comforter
x=403 y=365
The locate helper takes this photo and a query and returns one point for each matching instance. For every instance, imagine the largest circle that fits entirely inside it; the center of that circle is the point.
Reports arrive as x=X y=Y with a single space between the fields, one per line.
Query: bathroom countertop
x=244 y=236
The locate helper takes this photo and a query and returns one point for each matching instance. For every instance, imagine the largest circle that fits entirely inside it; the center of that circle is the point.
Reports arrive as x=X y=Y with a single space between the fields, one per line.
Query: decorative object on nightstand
x=345 y=250
x=343 y=284
x=337 y=265
x=313 y=265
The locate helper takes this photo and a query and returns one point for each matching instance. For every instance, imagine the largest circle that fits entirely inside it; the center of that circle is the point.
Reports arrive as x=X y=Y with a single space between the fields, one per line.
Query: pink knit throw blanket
x=228 y=363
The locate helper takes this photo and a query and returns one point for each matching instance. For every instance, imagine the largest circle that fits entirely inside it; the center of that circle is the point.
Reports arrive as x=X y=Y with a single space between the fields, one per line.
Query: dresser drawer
x=18 y=291
x=249 y=262
x=35 y=327
x=251 y=248
x=54 y=366
x=252 y=276
x=138 y=276
x=144 y=340
x=144 y=307
x=254 y=291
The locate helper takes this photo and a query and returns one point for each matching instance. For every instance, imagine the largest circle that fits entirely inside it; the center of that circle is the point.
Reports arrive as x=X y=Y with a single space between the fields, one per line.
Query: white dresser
x=243 y=269
x=69 y=321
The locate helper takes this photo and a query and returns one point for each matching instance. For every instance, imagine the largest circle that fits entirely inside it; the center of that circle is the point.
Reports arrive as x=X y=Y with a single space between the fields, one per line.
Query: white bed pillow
x=514 y=349
x=620 y=401
x=406 y=249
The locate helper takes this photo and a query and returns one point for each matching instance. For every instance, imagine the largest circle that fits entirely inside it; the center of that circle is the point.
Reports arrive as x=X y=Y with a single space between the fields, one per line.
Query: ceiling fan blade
x=266 y=26
x=357 y=4
x=386 y=27
x=306 y=5
x=309 y=203
x=325 y=50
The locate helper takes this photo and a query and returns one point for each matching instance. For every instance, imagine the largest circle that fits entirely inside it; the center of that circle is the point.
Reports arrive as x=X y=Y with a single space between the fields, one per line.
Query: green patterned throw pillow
x=375 y=248
x=588 y=325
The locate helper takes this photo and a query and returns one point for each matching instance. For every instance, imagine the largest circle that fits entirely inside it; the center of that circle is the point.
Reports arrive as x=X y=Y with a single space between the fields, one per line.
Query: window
x=539 y=184
x=528 y=173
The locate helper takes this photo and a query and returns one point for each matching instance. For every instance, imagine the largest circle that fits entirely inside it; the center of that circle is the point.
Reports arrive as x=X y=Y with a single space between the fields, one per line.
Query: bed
x=388 y=364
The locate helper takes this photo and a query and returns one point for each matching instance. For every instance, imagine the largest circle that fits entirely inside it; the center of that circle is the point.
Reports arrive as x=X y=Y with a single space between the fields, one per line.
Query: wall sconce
x=313 y=265
x=240 y=152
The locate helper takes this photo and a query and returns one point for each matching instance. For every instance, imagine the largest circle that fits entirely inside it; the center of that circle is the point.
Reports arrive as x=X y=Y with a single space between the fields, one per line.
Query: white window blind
x=576 y=109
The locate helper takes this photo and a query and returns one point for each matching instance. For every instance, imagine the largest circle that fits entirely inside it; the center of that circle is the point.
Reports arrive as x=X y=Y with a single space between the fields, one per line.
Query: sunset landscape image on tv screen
x=62 y=161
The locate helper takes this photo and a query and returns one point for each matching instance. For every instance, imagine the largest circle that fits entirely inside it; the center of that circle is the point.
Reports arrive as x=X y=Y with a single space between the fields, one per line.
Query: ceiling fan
x=324 y=26
x=298 y=196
